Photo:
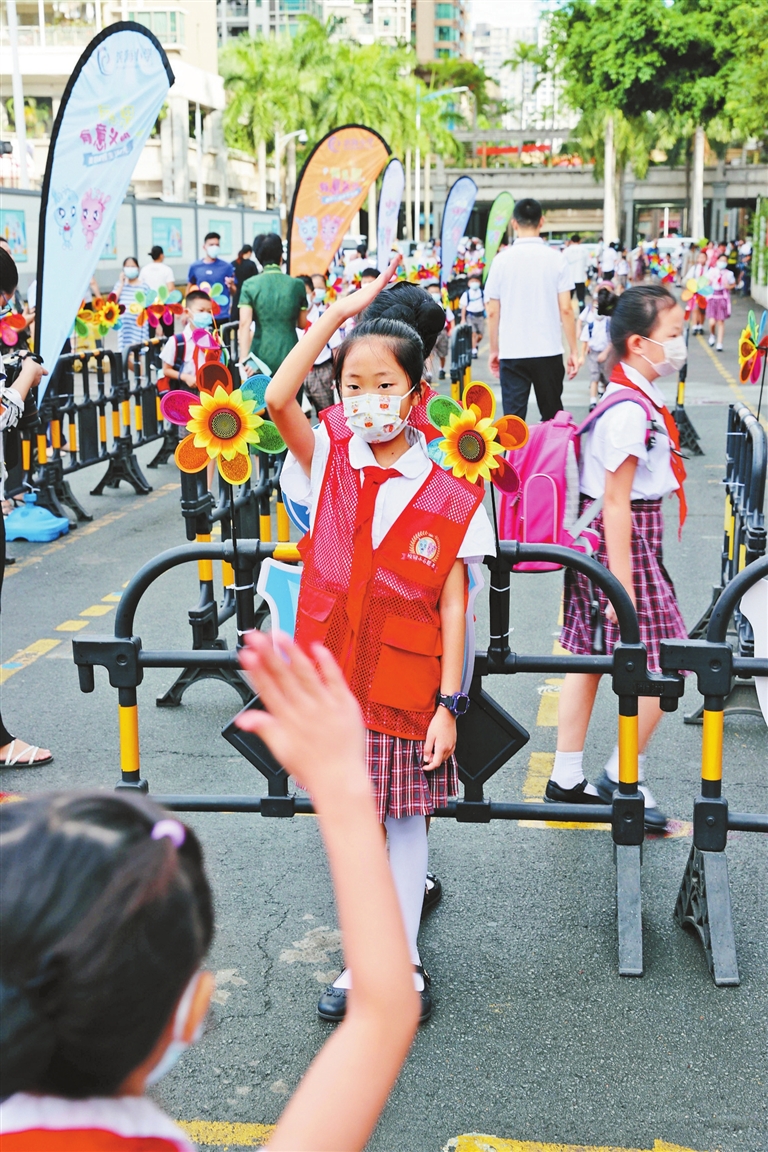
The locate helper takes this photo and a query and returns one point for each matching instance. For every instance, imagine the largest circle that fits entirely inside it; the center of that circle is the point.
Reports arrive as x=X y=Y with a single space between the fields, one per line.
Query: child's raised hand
x=355 y=302
x=312 y=723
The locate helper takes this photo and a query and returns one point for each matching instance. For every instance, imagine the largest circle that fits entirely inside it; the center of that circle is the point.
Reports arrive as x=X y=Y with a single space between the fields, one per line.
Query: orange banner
x=332 y=187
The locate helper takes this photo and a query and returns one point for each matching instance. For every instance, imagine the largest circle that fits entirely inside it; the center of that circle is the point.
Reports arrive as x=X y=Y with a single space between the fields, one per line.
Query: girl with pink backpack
x=631 y=474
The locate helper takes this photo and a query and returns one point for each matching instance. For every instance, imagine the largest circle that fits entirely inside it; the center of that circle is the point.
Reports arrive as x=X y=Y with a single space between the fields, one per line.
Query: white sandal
x=30 y=753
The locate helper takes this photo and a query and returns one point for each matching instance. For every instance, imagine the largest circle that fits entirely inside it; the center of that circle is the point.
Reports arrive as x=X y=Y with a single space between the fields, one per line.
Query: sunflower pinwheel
x=695 y=294
x=100 y=316
x=217 y=294
x=473 y=442
x=753 y=348
x=223 y=426
x=10 y=326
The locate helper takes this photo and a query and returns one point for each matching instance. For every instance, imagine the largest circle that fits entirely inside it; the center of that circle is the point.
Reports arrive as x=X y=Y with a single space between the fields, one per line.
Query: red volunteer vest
x=392 y=661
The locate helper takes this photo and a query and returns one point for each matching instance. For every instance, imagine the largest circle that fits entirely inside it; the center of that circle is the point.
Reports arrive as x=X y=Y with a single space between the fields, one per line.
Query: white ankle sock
x=568 y=771
x=612 y=766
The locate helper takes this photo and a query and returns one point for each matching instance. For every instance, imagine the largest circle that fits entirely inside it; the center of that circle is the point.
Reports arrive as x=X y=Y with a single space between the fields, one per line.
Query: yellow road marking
x=97 y=610
x=558 y=650
x=730 y=380
x=539 y=771
x=25 y=657
x=229 y=1135
x=477 y=1143
x=113 y=598
x=548 y=705
x=71 y=626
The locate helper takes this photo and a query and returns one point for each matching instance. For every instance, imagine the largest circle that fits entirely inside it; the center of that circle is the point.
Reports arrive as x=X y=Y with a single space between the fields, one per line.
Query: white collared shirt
x=392 y=498
x=132 y=1117
x=621 y=433
x=526 y=279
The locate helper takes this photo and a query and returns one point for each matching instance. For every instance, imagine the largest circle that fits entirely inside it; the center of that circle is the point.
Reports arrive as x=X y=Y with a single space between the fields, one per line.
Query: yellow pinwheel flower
x=471 y=445
x=224 y=425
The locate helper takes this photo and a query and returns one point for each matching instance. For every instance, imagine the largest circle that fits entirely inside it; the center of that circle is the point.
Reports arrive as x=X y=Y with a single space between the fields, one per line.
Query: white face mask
x=374 y=417
x=178 y=1046
x=675 y=355
x=213 y=250
x=319 y=295
x=722 y=262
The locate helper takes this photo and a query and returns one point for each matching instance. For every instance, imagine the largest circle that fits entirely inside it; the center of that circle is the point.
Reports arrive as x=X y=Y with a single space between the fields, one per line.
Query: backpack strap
x=620 y=397
x=178 y=360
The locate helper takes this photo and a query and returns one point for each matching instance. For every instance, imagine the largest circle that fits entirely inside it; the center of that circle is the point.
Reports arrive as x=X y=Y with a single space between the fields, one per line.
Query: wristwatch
x=457 y=704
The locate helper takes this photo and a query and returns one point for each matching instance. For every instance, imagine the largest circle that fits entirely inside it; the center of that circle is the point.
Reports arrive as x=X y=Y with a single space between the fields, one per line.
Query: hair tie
x=171 y=829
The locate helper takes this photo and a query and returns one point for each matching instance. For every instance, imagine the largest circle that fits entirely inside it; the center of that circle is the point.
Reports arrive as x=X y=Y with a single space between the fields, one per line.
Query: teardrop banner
x=498 y=222
x=109 y=107
x=458 y=208
x=331 y=189
x=390 y=199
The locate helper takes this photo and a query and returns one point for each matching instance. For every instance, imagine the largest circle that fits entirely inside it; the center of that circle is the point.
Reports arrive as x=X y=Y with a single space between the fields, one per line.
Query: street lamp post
x=417 y=173
x=280 y=143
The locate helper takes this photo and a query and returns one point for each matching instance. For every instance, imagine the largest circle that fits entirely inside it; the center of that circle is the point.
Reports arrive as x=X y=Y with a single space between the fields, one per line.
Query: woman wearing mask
x=631 y=474
x=245 y=267
x=719 y=303
x=129 y=332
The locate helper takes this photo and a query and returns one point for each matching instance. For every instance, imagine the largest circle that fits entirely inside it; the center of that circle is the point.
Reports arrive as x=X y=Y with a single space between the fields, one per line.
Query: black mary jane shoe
x=554 y=794
x=433 y=894
x=425 y=996
x=332 y=1005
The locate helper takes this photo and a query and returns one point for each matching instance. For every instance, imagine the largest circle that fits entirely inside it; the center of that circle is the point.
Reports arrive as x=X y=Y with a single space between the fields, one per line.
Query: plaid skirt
x=401 y=787
x=658 y=612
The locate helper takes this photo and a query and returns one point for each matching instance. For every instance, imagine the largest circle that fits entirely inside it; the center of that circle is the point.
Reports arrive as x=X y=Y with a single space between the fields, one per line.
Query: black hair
x=318 y=276
x=308 y=282
x=362 y=249
x=527 y=212
x=211 y=236
x=408 y=319
x=196 y=294
x=268 y=248
x=371 y=272
x=130 y=258
x=9 y=273
x=102 y=928
x=637 y=313
x=241 y=254
x=606 y=301
x=576 y=238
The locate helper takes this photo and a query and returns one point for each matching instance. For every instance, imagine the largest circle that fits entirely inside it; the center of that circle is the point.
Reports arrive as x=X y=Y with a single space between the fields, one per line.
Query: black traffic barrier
x=461 y=360
x=744 y=541
x=228 y=334
x=689 y=437
x=88 y=416
x=704 y=901
x=487 y=735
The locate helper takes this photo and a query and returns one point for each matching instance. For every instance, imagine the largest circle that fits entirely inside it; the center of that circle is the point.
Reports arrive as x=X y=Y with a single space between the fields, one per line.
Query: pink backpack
x=545 y=507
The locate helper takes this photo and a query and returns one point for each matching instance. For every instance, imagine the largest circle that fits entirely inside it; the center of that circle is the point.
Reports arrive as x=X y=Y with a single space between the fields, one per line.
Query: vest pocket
x=408 y=669
x=313 y=615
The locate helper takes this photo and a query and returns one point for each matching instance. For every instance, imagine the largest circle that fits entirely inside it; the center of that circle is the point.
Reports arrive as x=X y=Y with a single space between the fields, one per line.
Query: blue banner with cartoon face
x=109 y=108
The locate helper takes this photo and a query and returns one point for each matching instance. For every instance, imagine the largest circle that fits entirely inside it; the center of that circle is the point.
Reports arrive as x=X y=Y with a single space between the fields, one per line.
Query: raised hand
x=355 y=302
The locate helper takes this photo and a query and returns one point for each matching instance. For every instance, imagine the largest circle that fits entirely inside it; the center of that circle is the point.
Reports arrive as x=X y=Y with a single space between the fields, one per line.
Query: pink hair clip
x=175 y=831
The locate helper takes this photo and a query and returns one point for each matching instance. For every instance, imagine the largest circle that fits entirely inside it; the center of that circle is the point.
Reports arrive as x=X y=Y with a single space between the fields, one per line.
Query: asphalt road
x=535 y=1039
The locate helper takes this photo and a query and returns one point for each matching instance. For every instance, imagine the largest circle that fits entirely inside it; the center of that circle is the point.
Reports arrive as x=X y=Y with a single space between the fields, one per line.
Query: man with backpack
x=472 y=304
x=528 y=299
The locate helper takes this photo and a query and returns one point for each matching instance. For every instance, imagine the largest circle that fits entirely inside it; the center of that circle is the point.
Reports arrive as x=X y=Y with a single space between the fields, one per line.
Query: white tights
x=408 y=856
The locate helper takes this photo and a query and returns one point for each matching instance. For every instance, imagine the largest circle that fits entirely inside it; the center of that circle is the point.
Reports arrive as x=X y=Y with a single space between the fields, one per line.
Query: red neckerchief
x=619 y=376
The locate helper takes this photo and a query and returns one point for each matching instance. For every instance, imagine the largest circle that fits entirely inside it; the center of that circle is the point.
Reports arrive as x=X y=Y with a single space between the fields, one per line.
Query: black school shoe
x=332 y=1005
x=433 y=894
x=655 y=820
x=554 y=794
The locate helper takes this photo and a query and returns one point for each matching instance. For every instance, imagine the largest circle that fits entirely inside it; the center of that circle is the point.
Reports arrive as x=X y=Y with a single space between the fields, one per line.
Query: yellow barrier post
x=128 y=714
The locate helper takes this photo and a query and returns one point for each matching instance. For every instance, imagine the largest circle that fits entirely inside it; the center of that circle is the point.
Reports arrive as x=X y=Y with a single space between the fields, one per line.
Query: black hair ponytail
x=102 y=927
x=637 y=313
x=410 y=321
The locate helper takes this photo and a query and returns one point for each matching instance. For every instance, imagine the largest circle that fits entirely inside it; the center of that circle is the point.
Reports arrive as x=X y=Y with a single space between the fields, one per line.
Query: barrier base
x=189 y=676
x=689 y=437
x=124 y=466
x=704 y=906
x=167 y=448
x=628 y=858
x=740 y=701
x=55 y=494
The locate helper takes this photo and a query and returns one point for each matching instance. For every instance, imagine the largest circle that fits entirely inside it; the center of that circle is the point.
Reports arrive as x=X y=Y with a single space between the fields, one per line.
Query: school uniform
x=719 y=303
x=376 y=558
x=29 y=1123
x=594 y=333
x=618 y=433
x=182 y=353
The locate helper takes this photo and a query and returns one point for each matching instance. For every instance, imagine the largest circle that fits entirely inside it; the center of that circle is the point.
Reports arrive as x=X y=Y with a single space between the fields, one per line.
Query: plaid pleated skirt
x=658 y=612
x=401 y=787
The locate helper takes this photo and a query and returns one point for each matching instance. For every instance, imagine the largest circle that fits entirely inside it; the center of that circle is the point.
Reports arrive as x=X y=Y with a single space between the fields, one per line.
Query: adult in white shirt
x=577 y=257
x=632 y=475
x=528 y=298
x=157 y=272
x=608 y=261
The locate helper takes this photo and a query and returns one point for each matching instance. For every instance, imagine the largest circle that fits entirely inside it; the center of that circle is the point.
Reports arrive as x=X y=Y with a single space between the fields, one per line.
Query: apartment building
x=440 y=29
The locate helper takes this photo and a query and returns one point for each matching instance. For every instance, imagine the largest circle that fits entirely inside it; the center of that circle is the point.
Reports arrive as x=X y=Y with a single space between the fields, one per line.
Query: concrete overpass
x=573 y=199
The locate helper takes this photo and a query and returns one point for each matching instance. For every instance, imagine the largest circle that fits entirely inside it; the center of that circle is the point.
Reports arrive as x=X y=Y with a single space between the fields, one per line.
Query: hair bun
x=411 y=305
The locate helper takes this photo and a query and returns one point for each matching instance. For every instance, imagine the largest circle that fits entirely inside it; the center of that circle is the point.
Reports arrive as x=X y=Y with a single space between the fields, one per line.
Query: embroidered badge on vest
x=424 y=547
